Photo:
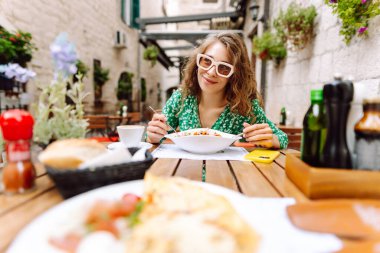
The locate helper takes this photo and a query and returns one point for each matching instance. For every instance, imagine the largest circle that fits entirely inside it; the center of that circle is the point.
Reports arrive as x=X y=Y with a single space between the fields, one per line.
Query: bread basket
x=72 y=182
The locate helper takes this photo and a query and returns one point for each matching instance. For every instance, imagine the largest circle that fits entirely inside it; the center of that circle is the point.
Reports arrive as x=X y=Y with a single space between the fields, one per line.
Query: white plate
x=267 y=216
x=202 y=144
x=115 y=145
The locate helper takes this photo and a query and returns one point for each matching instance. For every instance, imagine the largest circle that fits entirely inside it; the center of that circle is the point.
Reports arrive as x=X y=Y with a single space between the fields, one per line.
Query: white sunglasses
x=206 y=62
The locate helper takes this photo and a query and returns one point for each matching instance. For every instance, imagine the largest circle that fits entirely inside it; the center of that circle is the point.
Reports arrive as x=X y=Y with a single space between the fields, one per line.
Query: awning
x=194 y=36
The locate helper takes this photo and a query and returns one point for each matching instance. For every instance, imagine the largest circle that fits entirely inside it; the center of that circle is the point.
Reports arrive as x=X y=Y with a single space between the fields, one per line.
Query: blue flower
x=64 y=55
x=17 y=72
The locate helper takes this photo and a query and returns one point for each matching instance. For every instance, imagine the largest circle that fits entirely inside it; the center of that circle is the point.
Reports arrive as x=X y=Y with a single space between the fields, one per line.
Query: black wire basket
x=72 y=182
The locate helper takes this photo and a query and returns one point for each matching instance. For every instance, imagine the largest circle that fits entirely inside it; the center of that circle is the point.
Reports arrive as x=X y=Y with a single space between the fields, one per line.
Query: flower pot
x=5 y=83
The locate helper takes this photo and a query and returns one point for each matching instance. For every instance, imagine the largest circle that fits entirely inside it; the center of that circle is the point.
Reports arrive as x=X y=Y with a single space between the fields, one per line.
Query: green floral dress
x=227 y=122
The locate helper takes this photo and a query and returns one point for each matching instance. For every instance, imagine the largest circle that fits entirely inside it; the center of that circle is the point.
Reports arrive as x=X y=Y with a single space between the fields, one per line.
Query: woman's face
x=209 y=80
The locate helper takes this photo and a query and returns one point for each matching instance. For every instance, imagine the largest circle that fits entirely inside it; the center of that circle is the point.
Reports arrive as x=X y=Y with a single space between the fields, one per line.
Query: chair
x=294 y=136
x=97 y=124
x=135 y=117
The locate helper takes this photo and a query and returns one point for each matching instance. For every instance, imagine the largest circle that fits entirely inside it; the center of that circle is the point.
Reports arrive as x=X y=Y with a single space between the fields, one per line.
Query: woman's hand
x=157 y=128
x=260 y=135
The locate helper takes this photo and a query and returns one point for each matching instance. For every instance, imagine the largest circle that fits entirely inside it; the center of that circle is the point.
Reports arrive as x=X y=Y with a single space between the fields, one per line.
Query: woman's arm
x=158 y=126
x=264 y=132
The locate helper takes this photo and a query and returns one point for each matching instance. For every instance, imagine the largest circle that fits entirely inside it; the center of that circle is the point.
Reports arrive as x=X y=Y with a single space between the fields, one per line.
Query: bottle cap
x=16 y=125
x=339 y=91
x=316 y=95
x=338 y=76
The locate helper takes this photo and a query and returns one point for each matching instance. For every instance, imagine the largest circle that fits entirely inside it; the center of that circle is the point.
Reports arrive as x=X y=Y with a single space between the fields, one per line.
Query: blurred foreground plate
x=267 y=216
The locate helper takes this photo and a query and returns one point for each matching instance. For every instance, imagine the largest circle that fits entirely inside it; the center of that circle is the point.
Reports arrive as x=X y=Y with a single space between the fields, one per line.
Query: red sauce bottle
x=19 y=173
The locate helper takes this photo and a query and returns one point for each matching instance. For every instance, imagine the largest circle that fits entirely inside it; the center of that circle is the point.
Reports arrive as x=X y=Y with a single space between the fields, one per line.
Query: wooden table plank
x=40 y=169
x=9 y=202
x=252 y=183
x=275 y=174
x=164 y=167
x=218 y=172
x=18 y=218
x=280 y=160
x=191 y=169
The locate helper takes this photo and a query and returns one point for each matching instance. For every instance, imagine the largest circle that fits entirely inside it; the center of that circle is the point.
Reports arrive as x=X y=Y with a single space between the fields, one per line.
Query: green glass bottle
x=314 y=130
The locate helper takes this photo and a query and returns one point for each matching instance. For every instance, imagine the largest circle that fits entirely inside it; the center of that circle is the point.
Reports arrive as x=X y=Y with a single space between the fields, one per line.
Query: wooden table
x=252 y=179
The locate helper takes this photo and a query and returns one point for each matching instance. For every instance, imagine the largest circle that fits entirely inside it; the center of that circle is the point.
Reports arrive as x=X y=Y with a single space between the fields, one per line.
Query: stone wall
x=289 y=84
x=92 y=26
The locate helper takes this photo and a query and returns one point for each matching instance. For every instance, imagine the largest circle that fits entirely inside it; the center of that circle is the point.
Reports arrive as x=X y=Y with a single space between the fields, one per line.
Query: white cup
x=130 y=135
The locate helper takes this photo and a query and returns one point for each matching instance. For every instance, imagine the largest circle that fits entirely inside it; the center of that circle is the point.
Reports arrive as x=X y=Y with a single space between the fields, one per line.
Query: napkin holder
x=319 y=183
x=72 y=182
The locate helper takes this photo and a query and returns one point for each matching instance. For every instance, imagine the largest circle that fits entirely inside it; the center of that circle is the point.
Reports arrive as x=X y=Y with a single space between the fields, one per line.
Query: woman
x=218 y=91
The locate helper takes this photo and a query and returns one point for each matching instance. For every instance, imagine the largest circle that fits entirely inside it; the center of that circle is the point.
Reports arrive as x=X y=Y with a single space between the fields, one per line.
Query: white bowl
x=202 y=144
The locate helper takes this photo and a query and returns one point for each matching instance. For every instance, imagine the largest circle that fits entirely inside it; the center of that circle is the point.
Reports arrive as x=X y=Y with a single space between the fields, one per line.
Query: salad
x=106 y=221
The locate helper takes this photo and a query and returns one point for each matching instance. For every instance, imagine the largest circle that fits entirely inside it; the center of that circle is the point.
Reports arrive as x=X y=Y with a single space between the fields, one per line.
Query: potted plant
x=354 y=16
x=15 y=51
x=101 y=76
x=54 y=118
x=82 y=70
x=295 y=25
x=151 y=54
x=16 y=47
x=124 y=89
x=269 y=47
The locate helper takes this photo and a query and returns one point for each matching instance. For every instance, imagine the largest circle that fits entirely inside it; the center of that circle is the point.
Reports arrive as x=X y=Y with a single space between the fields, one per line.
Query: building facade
x=92 y=25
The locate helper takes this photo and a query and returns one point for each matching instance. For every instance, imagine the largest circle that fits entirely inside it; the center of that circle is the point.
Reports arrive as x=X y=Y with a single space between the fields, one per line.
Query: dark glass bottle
x=283 y=116
x=337 y=100
x=367 y=132
x=314 y=130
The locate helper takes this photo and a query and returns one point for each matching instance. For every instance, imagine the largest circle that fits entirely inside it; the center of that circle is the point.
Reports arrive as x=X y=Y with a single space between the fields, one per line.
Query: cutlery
x=166 y=123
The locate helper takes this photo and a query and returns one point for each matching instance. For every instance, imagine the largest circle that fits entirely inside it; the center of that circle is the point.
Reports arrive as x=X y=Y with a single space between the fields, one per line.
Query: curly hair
x=241 y=88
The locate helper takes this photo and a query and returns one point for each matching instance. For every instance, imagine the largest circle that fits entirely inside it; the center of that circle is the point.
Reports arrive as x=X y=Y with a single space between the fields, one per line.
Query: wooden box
x=317 y=183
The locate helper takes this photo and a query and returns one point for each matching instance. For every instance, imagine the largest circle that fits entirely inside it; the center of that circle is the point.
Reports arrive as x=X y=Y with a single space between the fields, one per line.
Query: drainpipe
x=263 y=74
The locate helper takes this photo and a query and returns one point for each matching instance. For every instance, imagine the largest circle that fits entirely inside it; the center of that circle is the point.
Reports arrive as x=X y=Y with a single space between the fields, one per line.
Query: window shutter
x=135 y=13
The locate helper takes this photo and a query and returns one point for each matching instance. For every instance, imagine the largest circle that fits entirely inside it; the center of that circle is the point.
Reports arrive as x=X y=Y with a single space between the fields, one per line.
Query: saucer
x=115 y=145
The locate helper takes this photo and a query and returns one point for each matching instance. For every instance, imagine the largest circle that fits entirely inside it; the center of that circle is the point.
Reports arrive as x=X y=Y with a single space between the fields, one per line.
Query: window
x=130 y=10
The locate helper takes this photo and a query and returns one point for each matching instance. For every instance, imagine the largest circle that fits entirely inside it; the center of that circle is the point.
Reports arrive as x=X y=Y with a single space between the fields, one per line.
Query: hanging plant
x=151 y=54
x=269 y=47
x=354 y=15
x=295 y=25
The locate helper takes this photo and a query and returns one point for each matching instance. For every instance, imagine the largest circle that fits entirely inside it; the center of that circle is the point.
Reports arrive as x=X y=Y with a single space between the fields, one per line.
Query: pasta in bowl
x=202 y=140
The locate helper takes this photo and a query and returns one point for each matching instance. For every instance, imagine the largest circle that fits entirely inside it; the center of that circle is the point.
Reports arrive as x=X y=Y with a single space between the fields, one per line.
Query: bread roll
x=69 y=154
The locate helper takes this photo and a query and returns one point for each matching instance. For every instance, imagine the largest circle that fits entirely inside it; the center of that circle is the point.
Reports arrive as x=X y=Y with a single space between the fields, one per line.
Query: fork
x=166 y=123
